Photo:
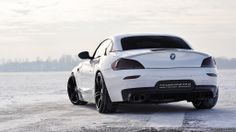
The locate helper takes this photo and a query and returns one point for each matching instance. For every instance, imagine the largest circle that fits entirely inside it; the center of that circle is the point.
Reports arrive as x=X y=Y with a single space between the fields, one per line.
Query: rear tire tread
x=206 y=104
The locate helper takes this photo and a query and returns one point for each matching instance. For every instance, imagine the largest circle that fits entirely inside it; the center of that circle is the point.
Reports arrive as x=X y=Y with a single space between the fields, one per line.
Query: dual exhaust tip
x=137 y=98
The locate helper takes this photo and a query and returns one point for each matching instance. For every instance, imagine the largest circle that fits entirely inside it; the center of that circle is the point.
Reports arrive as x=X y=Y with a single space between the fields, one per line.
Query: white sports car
x=144 y=69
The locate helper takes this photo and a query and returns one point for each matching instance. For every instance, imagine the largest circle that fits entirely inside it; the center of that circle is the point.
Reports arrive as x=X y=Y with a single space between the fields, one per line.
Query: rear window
x=149 y=42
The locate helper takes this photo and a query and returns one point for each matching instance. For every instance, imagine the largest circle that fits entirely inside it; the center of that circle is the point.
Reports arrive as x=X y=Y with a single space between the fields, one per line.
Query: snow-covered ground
x=39 y=102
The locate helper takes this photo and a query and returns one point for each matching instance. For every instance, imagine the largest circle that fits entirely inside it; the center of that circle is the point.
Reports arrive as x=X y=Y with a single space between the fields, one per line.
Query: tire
x=73 y=93
x=102 y=98
x=206 y=104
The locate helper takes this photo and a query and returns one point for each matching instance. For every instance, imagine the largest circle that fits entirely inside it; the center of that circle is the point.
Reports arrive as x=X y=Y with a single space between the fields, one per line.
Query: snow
x=30 y=88
x=39 y=102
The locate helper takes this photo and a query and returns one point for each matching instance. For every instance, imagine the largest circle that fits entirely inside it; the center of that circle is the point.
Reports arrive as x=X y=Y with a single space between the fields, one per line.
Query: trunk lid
x=167 y=58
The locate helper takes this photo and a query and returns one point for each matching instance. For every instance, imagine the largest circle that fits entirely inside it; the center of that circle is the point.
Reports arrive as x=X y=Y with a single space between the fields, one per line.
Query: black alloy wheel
x=73 y=92
x=102 y=98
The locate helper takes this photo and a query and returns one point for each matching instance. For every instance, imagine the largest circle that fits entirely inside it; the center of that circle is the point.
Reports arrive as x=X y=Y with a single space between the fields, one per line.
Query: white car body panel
x=149 y=78
x=158 y=66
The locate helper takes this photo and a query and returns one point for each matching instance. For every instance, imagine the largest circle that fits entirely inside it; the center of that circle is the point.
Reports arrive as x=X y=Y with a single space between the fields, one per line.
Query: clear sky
x=50 y=28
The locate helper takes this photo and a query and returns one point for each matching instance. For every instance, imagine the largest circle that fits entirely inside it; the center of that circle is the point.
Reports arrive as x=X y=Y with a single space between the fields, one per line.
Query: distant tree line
x=67 y=62
x=64 y=63
x=223 y=63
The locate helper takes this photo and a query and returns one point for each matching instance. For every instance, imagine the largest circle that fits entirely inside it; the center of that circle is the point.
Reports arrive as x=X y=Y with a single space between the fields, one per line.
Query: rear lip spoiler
x=172 y=67
x=175 y=51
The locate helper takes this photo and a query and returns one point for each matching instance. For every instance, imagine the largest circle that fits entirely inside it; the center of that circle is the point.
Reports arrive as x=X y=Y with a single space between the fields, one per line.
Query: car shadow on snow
x=153 y=108
x=148 y=108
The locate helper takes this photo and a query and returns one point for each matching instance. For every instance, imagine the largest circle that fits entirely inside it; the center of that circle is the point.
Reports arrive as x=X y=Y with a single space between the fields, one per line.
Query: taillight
x=209 y=62
x=124 y=64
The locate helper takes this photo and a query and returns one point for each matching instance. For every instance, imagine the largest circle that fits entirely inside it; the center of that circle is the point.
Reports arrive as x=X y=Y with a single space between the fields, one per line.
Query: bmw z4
x=143 y=68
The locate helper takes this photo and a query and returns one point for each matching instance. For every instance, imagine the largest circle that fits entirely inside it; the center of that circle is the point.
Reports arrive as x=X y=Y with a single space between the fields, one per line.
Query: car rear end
x=161 y=75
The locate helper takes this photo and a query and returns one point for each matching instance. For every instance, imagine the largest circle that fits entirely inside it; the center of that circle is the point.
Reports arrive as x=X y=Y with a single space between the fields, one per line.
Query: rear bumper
x=116 y=82
x=153 y=94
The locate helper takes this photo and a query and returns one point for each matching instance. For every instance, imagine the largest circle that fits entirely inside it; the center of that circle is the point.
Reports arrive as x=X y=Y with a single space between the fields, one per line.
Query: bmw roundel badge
x=172 y=56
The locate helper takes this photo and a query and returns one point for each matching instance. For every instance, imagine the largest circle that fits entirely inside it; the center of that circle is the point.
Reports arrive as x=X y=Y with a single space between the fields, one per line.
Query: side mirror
x=84 y=55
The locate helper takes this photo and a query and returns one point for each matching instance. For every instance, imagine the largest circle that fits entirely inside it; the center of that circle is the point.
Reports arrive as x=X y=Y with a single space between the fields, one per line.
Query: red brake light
x=124 y=64
x=209 y=62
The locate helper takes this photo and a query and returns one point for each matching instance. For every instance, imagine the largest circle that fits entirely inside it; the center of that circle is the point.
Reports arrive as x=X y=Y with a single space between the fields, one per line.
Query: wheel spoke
x=98 y=94
x=99 y=102
x=98 y=98
x=99 y=91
